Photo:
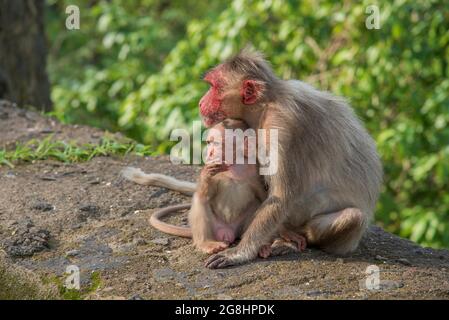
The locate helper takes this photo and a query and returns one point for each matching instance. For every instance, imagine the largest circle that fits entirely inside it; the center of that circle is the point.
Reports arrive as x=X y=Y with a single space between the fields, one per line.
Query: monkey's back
x=335 y=155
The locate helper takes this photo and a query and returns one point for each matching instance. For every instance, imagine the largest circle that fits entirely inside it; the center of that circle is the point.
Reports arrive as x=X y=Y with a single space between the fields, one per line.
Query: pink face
x=210 y=103
x=215 y=144
x=216 y=147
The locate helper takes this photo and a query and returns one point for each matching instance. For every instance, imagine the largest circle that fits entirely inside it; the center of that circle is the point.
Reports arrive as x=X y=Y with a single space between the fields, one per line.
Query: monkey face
x=225 y=149
x=223 y=99
x=211 y=103
x=214 y=150
x=229 y=96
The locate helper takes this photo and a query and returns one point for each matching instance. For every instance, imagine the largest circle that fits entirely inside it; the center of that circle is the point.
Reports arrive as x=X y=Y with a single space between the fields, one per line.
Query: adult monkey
x=329 y=173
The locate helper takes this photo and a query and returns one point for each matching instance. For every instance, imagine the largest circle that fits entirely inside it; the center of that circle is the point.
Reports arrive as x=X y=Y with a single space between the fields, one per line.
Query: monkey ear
x=251 y=91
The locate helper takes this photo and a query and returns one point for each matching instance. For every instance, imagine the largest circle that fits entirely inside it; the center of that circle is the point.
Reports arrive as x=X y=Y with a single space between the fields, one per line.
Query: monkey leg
x=259 y=232
x=338 y=232
x=201 y=221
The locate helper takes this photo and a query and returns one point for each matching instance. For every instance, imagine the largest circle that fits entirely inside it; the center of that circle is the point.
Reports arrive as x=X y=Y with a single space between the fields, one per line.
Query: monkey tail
x=159 y=180
x=155 y=221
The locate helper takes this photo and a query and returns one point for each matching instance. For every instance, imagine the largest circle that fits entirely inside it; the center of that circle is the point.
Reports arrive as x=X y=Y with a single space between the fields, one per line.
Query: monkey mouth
x=210 y=121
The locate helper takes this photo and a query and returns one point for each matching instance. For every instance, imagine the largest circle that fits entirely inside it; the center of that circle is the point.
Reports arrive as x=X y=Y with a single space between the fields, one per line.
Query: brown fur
x=327 y=161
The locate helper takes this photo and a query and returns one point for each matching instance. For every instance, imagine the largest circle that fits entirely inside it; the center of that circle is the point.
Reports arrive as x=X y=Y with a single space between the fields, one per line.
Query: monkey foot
x=211 y=247
x=229 y=257
x=289 y=242
x=265 y=251
x=282 y=247
x=291 y=236
x=218 y=261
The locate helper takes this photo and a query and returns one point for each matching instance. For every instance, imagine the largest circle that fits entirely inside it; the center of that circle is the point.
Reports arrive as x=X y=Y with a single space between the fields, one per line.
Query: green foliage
x=96 y=71
x=70 y=152
x=395 y=77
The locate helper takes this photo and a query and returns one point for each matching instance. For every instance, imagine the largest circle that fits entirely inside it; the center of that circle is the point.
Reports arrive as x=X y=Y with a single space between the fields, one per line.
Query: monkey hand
x=208 y=171
x=228 y=257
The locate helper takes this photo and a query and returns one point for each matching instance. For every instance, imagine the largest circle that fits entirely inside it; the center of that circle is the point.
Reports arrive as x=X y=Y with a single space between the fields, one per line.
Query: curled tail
x=156 y=221
x=159 y=180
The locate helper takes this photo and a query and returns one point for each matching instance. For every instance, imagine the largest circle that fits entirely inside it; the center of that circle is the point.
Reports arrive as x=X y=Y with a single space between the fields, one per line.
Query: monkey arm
x=269 y=215
x=207 y=181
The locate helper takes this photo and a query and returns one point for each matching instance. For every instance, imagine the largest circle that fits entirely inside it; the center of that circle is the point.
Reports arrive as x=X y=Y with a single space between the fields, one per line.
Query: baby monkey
x=228 y=194
x=225 y=198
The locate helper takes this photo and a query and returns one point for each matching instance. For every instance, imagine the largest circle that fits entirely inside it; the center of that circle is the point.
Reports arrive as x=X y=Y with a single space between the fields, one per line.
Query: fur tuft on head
x=251 y=64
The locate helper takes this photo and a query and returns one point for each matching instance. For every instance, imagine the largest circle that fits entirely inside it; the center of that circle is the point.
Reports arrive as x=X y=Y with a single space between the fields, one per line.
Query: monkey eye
x=214 y=143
